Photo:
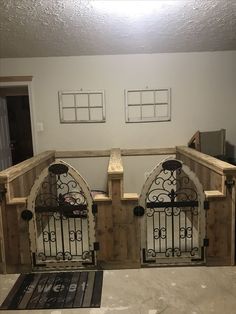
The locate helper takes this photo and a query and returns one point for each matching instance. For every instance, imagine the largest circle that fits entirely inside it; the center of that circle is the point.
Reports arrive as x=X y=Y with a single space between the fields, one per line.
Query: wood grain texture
x=148 y=151
x=210 y=162
x=25 y=166
x=219 y=232
x=82 y=154
x=115 y=166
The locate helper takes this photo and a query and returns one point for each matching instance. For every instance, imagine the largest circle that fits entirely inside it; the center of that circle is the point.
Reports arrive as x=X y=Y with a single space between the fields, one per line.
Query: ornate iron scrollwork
x=62 y=217
x=172 y=214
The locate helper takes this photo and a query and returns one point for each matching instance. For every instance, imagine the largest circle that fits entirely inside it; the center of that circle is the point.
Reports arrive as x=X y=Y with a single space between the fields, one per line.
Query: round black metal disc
x=58 y=169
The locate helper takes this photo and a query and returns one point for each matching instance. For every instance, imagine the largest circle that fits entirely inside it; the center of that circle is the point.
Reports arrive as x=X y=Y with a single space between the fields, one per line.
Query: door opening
x=17 y=130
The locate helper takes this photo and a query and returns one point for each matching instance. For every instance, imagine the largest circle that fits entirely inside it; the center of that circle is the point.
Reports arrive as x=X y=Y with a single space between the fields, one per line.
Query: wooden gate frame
x=201 y=198
x=31 y=205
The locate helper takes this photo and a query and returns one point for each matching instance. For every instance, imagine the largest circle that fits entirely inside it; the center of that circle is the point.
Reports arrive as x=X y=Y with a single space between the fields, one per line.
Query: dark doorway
x=19 y=128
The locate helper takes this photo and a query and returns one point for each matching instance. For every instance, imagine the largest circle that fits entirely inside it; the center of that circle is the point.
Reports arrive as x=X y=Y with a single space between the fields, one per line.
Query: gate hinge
x=96 y=246
x=94 y=209
x=229 y=183
x=3 y=191
x=206 y=242
x=206 y=205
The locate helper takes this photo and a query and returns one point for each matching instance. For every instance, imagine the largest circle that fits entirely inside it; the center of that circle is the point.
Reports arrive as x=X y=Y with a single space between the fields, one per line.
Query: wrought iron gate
x=62 y=231
x=173 y=227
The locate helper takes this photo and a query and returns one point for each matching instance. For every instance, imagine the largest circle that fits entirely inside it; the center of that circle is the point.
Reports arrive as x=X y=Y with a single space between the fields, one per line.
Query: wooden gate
x=173 y=224
x=62 y=231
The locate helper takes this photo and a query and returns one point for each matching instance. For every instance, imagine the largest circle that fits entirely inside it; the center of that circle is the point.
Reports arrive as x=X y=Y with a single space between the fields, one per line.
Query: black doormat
x=55 y=291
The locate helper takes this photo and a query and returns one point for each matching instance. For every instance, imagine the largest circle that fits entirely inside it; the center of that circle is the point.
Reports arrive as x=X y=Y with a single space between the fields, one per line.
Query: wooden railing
x=117 y=229
x=218 y=179
x=15 y=184
x=19 y=179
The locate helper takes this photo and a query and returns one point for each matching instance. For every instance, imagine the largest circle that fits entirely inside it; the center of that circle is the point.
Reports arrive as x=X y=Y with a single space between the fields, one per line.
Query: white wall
x=203 y=92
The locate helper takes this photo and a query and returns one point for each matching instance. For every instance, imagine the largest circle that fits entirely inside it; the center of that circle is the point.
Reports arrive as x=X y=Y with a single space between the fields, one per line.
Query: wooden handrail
x=82 y=153
x=13 y=172
x=210 y=162
x=148 y=151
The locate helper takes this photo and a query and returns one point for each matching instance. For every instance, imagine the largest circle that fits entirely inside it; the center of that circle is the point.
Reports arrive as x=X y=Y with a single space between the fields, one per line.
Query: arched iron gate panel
x=173 y=226
x=62 y=229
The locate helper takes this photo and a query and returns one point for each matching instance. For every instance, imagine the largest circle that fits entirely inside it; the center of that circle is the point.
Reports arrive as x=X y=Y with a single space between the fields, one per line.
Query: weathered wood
x=115 y=167
x=210 y=162
x=12 y=244
x=24 y=245
x=19 y=187
x=219 y=232
x=209 y=178
x=130 y=196
x=104 y=231
x=213 y=174
x=6 y=79
x=214 y=194
x=82 y=154
x=115 y=171
x=25 y=166
x=148 y=151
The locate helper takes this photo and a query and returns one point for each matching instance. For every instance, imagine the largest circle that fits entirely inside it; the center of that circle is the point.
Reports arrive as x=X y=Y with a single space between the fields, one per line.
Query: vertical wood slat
x=13 y=243
x=24 y=244
x=219 y=227
x=104 y=231
x=220 y=222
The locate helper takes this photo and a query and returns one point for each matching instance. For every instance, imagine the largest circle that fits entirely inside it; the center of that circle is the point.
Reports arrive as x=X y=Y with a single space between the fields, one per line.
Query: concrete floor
x=185 y=290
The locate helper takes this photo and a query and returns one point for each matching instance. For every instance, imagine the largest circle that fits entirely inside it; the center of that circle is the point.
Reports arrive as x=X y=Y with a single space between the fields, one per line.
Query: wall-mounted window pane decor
x=82 y=106
x=147 y=105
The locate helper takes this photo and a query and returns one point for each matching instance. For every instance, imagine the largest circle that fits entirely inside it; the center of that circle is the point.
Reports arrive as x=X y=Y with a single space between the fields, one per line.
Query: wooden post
x=117 y=228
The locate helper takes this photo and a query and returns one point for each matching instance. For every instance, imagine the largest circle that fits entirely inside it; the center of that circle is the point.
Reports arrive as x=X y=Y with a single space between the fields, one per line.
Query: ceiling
x=42 y=28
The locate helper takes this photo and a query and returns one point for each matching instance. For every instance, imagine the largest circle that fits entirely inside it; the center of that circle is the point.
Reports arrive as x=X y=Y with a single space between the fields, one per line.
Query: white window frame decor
x=154 y=105
x=76 y=106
